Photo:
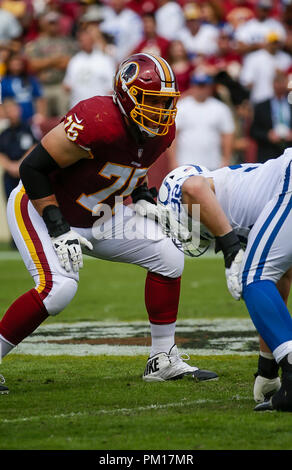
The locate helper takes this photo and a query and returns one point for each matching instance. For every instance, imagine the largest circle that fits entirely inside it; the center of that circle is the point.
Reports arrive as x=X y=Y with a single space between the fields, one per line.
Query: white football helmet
x=186 y=232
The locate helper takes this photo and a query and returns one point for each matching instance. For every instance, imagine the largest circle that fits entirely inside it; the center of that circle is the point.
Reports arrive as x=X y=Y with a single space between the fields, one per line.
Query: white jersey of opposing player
x=242 y=190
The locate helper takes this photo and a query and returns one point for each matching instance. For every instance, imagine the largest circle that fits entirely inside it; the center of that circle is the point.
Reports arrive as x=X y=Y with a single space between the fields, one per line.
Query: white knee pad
x=63 y=291
x=171 y=259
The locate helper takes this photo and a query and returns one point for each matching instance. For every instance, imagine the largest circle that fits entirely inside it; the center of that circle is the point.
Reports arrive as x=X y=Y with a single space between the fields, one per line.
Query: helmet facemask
x=154 y=118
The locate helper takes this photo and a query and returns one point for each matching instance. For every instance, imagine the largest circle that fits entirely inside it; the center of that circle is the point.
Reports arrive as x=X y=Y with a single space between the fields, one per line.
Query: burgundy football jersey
x=117 y=164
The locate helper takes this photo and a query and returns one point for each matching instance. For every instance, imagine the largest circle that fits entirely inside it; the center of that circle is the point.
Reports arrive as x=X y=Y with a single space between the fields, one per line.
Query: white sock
x=162 y=338
x=5 y=346
x=267 y=355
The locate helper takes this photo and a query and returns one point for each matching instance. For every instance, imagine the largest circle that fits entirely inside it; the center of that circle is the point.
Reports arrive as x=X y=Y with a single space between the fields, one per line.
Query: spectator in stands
x=66 y=22
x=260 y=66
x=91 y=21
x=48 y=57
x=251 y=35
x=15 y=141
x=243 y=113
x=226 y=58
x=9 y=26
x=22 y=10
x=180 y=64
x=238 y=7
x=272 y=123
x=143 y=6
x=90 y=72
x=287 y=23
x=238 y=12
x=18 y=8
x=199 y=39
x=205 y=128
x=5 y=54
x=25 y=89
x=152 y=43
x=125 y=26
x=212 y=13
x=169 y=19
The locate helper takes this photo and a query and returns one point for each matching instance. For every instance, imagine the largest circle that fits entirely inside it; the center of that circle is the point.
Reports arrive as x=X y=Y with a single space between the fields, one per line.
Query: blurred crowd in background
x=232 y=60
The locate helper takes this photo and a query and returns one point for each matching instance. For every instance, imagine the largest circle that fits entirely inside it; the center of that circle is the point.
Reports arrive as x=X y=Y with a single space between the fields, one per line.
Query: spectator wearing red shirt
x=143 y=6
x=180 y=64
x=236 y=7
x=152 y=43
x=226 y=59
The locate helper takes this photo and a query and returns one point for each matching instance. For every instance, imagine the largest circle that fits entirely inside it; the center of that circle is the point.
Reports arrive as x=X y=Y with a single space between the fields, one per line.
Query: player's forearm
x=40 y=204
x=196 y=191
x=38 y=64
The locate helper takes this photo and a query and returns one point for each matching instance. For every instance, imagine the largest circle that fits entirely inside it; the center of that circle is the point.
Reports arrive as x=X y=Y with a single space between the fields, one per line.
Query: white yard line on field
x=120 y=410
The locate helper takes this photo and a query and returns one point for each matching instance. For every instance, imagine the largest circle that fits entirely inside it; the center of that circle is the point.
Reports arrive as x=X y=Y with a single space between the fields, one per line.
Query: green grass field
x=100 y=402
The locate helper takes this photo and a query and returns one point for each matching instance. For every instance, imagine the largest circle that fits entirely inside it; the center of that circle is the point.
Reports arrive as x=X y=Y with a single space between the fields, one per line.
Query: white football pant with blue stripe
x=268 y=256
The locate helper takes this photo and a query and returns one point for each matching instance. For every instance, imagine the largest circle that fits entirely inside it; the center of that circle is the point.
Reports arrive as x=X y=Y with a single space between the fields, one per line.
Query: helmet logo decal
x=129 y=72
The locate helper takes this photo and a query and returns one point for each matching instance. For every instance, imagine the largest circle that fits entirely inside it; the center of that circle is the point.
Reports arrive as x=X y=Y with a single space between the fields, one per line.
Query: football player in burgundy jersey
x=102 y=149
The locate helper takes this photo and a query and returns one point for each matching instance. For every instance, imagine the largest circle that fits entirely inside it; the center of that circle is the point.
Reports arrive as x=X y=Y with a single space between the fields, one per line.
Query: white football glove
x=68 y=249
x=265 y=388
x=233 y=276
x=146 y=209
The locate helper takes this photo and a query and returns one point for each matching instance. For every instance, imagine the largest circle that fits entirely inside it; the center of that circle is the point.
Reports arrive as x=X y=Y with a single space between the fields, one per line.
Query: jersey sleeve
x=78 y=125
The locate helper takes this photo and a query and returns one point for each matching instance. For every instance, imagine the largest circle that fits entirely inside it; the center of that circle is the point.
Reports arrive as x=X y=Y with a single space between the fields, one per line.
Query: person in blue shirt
x=25 y=89
x=15 y=141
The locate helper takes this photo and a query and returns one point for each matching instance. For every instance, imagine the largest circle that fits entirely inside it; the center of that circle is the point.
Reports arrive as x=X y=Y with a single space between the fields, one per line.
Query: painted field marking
x=195 y=337
x=117 y=411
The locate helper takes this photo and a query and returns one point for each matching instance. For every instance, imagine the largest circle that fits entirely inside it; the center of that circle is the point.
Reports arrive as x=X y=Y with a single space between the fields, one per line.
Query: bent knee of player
x=171 y=260
x=63 y=291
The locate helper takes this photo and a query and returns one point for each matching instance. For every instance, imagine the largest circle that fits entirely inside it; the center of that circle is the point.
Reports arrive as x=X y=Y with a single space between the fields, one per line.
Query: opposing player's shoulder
x=183 y=171
x=91 y=120
x=173 y=182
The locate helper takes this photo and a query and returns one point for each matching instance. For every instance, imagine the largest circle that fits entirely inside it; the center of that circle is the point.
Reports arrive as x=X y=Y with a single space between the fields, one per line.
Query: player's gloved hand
x=144 y=200
x=233 y=276
x=66 y=242
x=68 y=249
x=267 y=382
x=233 y=256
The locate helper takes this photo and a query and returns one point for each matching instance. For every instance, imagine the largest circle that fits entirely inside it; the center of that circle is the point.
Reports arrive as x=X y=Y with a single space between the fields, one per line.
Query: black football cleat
x=3 y=388
x=282 y=399
x=202 y=375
